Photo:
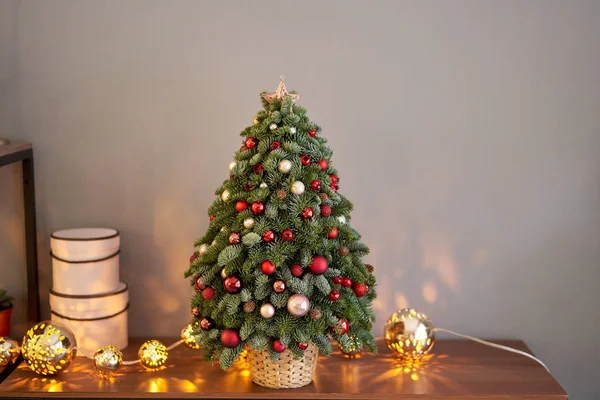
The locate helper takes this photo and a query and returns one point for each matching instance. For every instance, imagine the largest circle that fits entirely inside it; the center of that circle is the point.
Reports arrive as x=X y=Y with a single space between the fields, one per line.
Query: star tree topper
x=280 y=94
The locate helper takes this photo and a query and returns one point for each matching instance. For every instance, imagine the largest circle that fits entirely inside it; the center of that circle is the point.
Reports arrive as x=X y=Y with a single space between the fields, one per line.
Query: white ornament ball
x=225 y=195
x=232 y=165
x=297 y=188
x=284 y=166
x=223 y=274
x=267 y=311
x=202 y=249
x=249 y=223
x=292 y=130
x=263 y=185
x=298 y=305
x=341 y=219
x=273 y=126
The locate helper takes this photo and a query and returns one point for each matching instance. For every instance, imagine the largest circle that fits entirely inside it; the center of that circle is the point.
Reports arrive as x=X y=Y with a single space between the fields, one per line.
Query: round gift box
x=85 y=277
x=90 y=306
x=93 y=333
x=85 y=244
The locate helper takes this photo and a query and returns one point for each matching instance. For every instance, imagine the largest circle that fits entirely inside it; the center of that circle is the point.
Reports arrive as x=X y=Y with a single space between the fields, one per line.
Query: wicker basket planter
x=286 y=373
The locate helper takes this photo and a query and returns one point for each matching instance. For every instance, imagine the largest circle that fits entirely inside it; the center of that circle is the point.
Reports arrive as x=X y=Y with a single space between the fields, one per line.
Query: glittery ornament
x=188 y=336
x=208 y=293
x=107 y=361
x=207 y=323
x=234 y=238
x=296 y=270
x=325 y=210
x=153 y=355
x=280 y=94
x=48 y=348
x=352 y=347
x=409 y=333
x=195 y=311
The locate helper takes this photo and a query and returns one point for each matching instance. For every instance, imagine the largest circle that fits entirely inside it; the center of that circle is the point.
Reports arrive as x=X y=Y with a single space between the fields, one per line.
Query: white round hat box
x=85 y=277
x=85 y=244
x=90 y=306
x=95 y=332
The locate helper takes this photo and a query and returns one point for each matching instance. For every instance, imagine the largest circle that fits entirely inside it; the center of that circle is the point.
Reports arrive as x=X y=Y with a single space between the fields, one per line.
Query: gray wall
x=12 y=253
x=467 y=133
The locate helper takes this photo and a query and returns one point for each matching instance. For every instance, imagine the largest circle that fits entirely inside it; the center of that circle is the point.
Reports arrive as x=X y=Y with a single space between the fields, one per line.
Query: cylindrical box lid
x=90 y=306
x=85 y=277
x=85 y=244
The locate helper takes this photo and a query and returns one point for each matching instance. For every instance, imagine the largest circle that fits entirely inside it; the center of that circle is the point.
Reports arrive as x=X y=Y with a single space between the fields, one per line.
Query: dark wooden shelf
x=457 y=369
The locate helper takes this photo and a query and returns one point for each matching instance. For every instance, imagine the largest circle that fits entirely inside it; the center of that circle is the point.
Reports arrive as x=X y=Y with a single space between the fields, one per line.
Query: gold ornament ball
x=9 y=351
x=352 y=348
x=188 y=336
x=409 y=333
x=153 y=354
x=48 y=348
x=107 y=361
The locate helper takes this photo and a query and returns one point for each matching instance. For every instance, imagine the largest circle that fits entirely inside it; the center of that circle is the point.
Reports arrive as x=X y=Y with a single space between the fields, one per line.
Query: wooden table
x=456 y=370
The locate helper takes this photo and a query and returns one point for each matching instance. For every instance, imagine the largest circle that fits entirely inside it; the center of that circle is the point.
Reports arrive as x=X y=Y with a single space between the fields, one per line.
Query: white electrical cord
x=498 y=346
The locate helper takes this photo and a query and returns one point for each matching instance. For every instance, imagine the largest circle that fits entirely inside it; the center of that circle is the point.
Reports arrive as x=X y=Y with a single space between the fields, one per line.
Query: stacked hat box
x=87 y=294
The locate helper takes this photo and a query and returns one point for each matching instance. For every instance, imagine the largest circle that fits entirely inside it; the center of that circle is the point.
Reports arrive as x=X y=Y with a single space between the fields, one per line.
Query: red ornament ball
x=287 y=235
x=257 y=168
x=315 y=185
x=194 y=257
x=296 y=270
x=241 y=205
x=275 y=146
x=200 y=283
x=312 y=132
x=323 y=164
x=346 y=282
x=230 y=338
x=341 y=327
x=243 y=147
x=337 y=280
x=268 y=236
x=334 y=187
x=248 y=187
x=360 y=289
x=267 y=267
x=334 y=295
x=334 y=179
x=258 y=207
x=278 y=347
x=208 y=293
x=325 y=210
x=318 y=265
x=251 y=142
x=279 y=286
x=333 y=233
x=307 y=213
x=305 y=159
x=207 y=323
x=212 y=217
x=302 y=346
x=234 y=238
x=232 y=284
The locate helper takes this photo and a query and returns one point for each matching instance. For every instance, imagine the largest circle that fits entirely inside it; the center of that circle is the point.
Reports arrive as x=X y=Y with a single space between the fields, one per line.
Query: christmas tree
x=280 y=266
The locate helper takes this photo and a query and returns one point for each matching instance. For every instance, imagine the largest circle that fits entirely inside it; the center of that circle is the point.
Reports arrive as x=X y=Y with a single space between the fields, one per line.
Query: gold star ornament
x=280 y=94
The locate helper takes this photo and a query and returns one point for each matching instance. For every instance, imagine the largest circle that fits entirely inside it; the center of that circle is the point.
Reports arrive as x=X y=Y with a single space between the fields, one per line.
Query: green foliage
x=283 y=211
x=5 y=300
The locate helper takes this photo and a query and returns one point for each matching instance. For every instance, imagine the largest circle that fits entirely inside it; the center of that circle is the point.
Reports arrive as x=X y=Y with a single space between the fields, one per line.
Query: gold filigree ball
x=48 y=348
x=153 y=354
x=188 y=336
x=409 y=333
x=9 y=351
x=352 y=347
x=107 y=361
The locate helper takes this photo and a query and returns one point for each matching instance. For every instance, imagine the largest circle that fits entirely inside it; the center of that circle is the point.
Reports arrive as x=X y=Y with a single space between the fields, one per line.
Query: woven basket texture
x=286 y=373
